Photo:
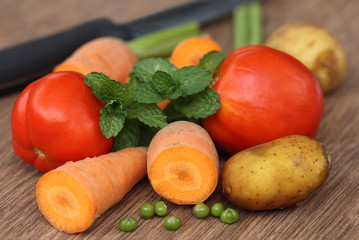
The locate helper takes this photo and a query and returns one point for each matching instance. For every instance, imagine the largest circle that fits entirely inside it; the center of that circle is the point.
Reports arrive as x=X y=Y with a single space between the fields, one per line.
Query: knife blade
x=24 y=63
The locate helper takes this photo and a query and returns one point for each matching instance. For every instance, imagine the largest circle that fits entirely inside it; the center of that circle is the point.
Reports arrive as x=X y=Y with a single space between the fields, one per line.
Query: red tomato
x=55 y=120
x=265 y=94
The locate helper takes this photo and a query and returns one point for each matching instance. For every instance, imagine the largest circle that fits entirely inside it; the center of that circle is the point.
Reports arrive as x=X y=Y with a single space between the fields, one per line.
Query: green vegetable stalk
x=161 y=43
x=247 y=24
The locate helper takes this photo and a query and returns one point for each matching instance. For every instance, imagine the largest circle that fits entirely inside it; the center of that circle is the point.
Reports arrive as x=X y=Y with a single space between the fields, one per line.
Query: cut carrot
x=182 y=163
x=72 y=196
x=190 y=51
x=109 y=55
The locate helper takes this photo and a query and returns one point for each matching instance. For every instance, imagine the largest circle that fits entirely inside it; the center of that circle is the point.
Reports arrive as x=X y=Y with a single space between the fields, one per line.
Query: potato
x=276 y=174
x=316 y=48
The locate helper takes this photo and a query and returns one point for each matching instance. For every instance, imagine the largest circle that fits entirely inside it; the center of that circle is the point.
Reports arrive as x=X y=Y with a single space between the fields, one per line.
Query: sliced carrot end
x=64 y=202
x=183 y=175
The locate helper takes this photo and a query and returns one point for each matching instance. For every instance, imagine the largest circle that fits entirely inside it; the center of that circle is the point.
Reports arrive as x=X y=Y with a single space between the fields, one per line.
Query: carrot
x=182 y=163
x=109 y=55
x=190 y=51
x=72 y=196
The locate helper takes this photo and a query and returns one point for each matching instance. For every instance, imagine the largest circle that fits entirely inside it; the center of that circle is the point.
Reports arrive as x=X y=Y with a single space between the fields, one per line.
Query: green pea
x=229 y=216
x=147 y=210
x=172 y=223
x=161 y=209
x=127 y=224
x=200 y=210
x=217 y=209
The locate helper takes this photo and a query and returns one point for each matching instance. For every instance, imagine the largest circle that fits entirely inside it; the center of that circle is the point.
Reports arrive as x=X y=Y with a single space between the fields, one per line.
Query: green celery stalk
x=255 y=22
x=162 y=43
x=247 y=24
x=240 y=26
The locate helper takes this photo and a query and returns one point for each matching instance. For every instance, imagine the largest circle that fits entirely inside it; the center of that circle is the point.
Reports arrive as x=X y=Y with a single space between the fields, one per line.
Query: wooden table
x=331 y=213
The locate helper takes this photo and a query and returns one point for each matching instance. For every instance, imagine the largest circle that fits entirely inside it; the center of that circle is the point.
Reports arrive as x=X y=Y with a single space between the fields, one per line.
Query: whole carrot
x=109 y=55
x=182 y=163
x=72 y=196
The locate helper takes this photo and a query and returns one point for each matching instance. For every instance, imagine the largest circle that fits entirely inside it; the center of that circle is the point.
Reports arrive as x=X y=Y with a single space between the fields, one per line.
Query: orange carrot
x=109 y=55
x=182 y=163
x=73 y=195
x=191 y=50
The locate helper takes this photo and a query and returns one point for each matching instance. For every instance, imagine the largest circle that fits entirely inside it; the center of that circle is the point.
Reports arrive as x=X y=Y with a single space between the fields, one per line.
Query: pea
x=147 y=210
x=172 y=223
x=200 y=210
x=127 y=224
x=161 y=209
x=217 y=209
x=229 y=216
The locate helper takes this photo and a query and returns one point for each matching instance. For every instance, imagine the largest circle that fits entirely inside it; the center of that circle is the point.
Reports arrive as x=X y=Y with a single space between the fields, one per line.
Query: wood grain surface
x=331 y=213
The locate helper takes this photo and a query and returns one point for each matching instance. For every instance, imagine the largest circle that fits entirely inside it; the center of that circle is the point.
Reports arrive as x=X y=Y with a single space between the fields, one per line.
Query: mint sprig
x=131 y=114
x=119 y=105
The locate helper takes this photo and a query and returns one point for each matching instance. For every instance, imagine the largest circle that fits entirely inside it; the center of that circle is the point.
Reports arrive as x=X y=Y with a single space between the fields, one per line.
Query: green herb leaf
x=129 y=136
x=104 y=88
x=212 y=60
x=149 y=114
x=192 y=79
x=165 y=85
x=145 y=69
x=112 y=120
x=200 y=105
x=146 y=135
x=146 y=93
x=174 y=115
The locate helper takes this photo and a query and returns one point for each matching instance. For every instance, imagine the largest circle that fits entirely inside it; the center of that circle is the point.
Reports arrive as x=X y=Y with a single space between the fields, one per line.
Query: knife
x=19 y=65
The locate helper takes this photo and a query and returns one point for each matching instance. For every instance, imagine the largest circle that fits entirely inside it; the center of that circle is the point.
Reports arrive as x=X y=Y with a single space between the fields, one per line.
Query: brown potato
x=277 y=174
x=316 y=48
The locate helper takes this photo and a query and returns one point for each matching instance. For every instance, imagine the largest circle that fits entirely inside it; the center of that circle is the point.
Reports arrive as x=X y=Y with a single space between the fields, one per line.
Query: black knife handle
x=43 y=54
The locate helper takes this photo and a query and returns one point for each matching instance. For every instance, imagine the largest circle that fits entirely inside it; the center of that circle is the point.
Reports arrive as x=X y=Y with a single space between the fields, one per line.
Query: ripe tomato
x=55 y=120
x=265 y=94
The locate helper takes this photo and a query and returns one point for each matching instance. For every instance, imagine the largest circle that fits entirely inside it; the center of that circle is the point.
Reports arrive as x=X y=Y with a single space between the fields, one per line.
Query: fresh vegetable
x=265 y=94
x=127 y=224
x=229 y=216
x=55 y=120
x=191 y=50
x=172 y=223
x=72 y=196
x=182 y=163
x=277 y=174
x=161 y=43
x=217 y=209
x=316 y=48
x=131 y=113
x=200 y=210
x=109 y=55
x=147 y=210
x=161 y=209
x=247 y=24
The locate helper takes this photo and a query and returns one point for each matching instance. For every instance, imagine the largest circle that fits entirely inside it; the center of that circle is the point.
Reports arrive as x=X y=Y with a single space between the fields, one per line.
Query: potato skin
x=316 y=48
x=276 y=174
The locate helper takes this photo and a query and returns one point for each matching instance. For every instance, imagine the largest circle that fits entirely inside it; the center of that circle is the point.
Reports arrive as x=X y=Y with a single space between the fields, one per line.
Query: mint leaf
x=129 y=136
x=174 y=115
x=200 y=105
x=212 y=60
x=149 y=114
x=145 y=69
x=147 y=134
x=165 y=85
x=104 y=88
x=111 y=120
x=192 y=79
x=146 y=93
